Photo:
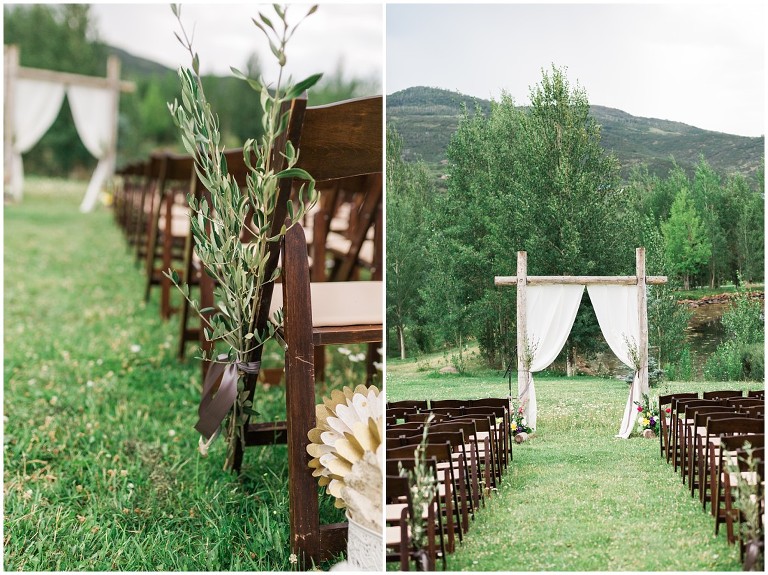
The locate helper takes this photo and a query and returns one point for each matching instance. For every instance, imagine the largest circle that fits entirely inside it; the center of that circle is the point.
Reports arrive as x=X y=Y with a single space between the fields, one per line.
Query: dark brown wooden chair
x=716 y=430
x=336 y=141
x=169 y=227
x=664 y=422
x=731 y=481
x=399 y=511
x=679 y=421
x=433 y=515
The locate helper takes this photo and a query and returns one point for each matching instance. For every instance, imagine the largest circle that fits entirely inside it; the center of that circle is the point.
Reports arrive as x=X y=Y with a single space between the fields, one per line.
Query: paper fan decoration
x=349 y=424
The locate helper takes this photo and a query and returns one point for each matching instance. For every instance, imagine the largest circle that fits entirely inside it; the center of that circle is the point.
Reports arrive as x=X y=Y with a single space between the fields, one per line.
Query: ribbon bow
x=218 y=400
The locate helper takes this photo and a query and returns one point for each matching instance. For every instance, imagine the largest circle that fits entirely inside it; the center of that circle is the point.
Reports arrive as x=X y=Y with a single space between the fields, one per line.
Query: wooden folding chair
x=731 y=481
x=169 y=227
x=432 y=515
x=450 y=490
x=399 y=510
x=336 y=141
x=664 y=422
x=716 y=430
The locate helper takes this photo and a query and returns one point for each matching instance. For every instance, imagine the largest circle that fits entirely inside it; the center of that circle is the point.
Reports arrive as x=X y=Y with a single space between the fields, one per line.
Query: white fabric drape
x=616 y=308
x=550 y=313
x=92 y=110
x=36 y=105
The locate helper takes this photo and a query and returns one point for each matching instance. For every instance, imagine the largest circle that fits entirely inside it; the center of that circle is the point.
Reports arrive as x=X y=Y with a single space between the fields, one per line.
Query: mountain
x=133 y=67
x=426 y=118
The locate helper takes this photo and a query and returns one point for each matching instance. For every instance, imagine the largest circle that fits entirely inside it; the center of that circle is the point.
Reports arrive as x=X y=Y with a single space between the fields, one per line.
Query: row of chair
x=341 y=146
x=701 y=436
x=468 y=449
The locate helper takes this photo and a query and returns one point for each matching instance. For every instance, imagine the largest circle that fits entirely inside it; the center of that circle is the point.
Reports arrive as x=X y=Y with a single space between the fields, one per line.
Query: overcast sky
x=225 y=36
x=703 y=65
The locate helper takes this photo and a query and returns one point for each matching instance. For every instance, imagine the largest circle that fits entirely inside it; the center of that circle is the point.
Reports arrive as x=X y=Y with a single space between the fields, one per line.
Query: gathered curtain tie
x=217 y=400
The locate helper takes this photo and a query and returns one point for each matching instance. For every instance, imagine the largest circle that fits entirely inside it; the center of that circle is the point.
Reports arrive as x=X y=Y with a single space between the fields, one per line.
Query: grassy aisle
x=575 y=498
x=101 y=464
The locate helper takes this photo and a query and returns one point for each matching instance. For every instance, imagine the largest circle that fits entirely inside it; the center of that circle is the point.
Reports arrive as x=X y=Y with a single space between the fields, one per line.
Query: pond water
x=704 y=333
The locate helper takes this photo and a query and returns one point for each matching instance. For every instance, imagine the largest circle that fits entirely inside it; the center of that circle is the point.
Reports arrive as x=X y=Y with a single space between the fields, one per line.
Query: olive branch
x=238 y=268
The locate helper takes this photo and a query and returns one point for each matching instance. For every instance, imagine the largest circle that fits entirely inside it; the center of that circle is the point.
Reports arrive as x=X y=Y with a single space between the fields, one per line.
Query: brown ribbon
x=217 y=400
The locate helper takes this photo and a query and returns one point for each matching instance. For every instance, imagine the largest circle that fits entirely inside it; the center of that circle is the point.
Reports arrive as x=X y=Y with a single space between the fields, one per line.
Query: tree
x=532 y=179
x=409 y=190
x=686 y=246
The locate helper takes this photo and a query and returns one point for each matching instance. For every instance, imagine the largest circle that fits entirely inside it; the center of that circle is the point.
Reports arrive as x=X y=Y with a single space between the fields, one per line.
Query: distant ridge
x=426 y=118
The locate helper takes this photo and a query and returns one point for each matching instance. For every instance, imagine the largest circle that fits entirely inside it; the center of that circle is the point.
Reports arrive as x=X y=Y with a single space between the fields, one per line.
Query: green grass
x=575 y=498
x=101 y=466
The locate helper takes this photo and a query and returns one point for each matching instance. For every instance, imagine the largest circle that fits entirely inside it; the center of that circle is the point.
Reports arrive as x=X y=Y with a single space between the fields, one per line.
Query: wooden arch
x=522 y=279
x=13 y=71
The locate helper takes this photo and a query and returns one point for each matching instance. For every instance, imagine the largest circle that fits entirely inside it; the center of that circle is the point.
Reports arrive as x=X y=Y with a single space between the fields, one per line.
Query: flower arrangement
x=347 y=452
x=518 y=417
x=648 y=415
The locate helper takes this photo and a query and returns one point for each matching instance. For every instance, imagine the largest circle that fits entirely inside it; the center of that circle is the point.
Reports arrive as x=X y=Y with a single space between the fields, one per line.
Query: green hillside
x=427 y=117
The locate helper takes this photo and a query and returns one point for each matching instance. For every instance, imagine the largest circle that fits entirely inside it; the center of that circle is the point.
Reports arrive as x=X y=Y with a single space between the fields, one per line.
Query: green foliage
x=686 y=246
x=741 y=355
x=532 y=179
x=238 y=268
x=682 y=369
x=409 y=193
x=426 y=118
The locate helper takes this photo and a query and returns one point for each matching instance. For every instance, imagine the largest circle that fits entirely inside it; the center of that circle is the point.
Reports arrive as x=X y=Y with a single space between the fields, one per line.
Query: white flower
x=171 y=432
x=89 y=383
x=292 y=559
x=378 y=365
x=135 y=348
x=344 y=351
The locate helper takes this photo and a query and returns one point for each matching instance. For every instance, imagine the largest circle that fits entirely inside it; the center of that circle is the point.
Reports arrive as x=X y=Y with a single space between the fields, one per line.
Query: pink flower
x=669 y=410
x=639 y=408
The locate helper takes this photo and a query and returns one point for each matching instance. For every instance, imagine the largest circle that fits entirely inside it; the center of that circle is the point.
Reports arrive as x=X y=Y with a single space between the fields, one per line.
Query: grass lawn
x=575 y=498
x=101 y=468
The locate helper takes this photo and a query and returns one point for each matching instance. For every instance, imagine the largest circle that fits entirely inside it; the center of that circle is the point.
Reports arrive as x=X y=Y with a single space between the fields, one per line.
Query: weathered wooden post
x=522 y=282
x=11 y=63
x=642 y=310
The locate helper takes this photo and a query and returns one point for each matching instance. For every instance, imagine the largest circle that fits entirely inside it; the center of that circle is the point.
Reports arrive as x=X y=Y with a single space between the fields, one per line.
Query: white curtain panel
x=36 y=105
x=92 y=111
x=616 y=308
x=550 y=313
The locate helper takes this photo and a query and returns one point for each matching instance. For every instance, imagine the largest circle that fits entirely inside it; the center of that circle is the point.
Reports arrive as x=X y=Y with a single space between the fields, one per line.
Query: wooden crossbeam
x=583 y=280
x=69 y=79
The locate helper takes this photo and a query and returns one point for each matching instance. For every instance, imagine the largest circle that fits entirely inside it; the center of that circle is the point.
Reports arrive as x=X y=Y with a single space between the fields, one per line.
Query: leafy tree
x=686 y=246
x=409 y=190
x=532 y=179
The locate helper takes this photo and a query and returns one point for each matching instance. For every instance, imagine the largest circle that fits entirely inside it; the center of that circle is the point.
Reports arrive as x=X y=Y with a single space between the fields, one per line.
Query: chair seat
x=337 y=304
x=392 y=535
x=339 y=244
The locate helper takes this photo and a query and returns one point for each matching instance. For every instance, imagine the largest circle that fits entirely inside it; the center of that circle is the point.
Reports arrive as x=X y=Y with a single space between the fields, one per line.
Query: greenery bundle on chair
x=240 y=269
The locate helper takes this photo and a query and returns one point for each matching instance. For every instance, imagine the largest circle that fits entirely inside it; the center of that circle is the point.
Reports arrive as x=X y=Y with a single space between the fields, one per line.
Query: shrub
x=725 y=364
x=753 y=361
x=682 y=370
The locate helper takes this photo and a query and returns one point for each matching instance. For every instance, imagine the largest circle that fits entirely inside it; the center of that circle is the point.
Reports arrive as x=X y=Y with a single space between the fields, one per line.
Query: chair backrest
x=756 y=393
x=722 y=394
x=733 y=442
x=704 y=414
x=448 y=403
x=734 y=425
x=667 y=399
x=423 y=416
x=745 y=401
x=408 y=403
